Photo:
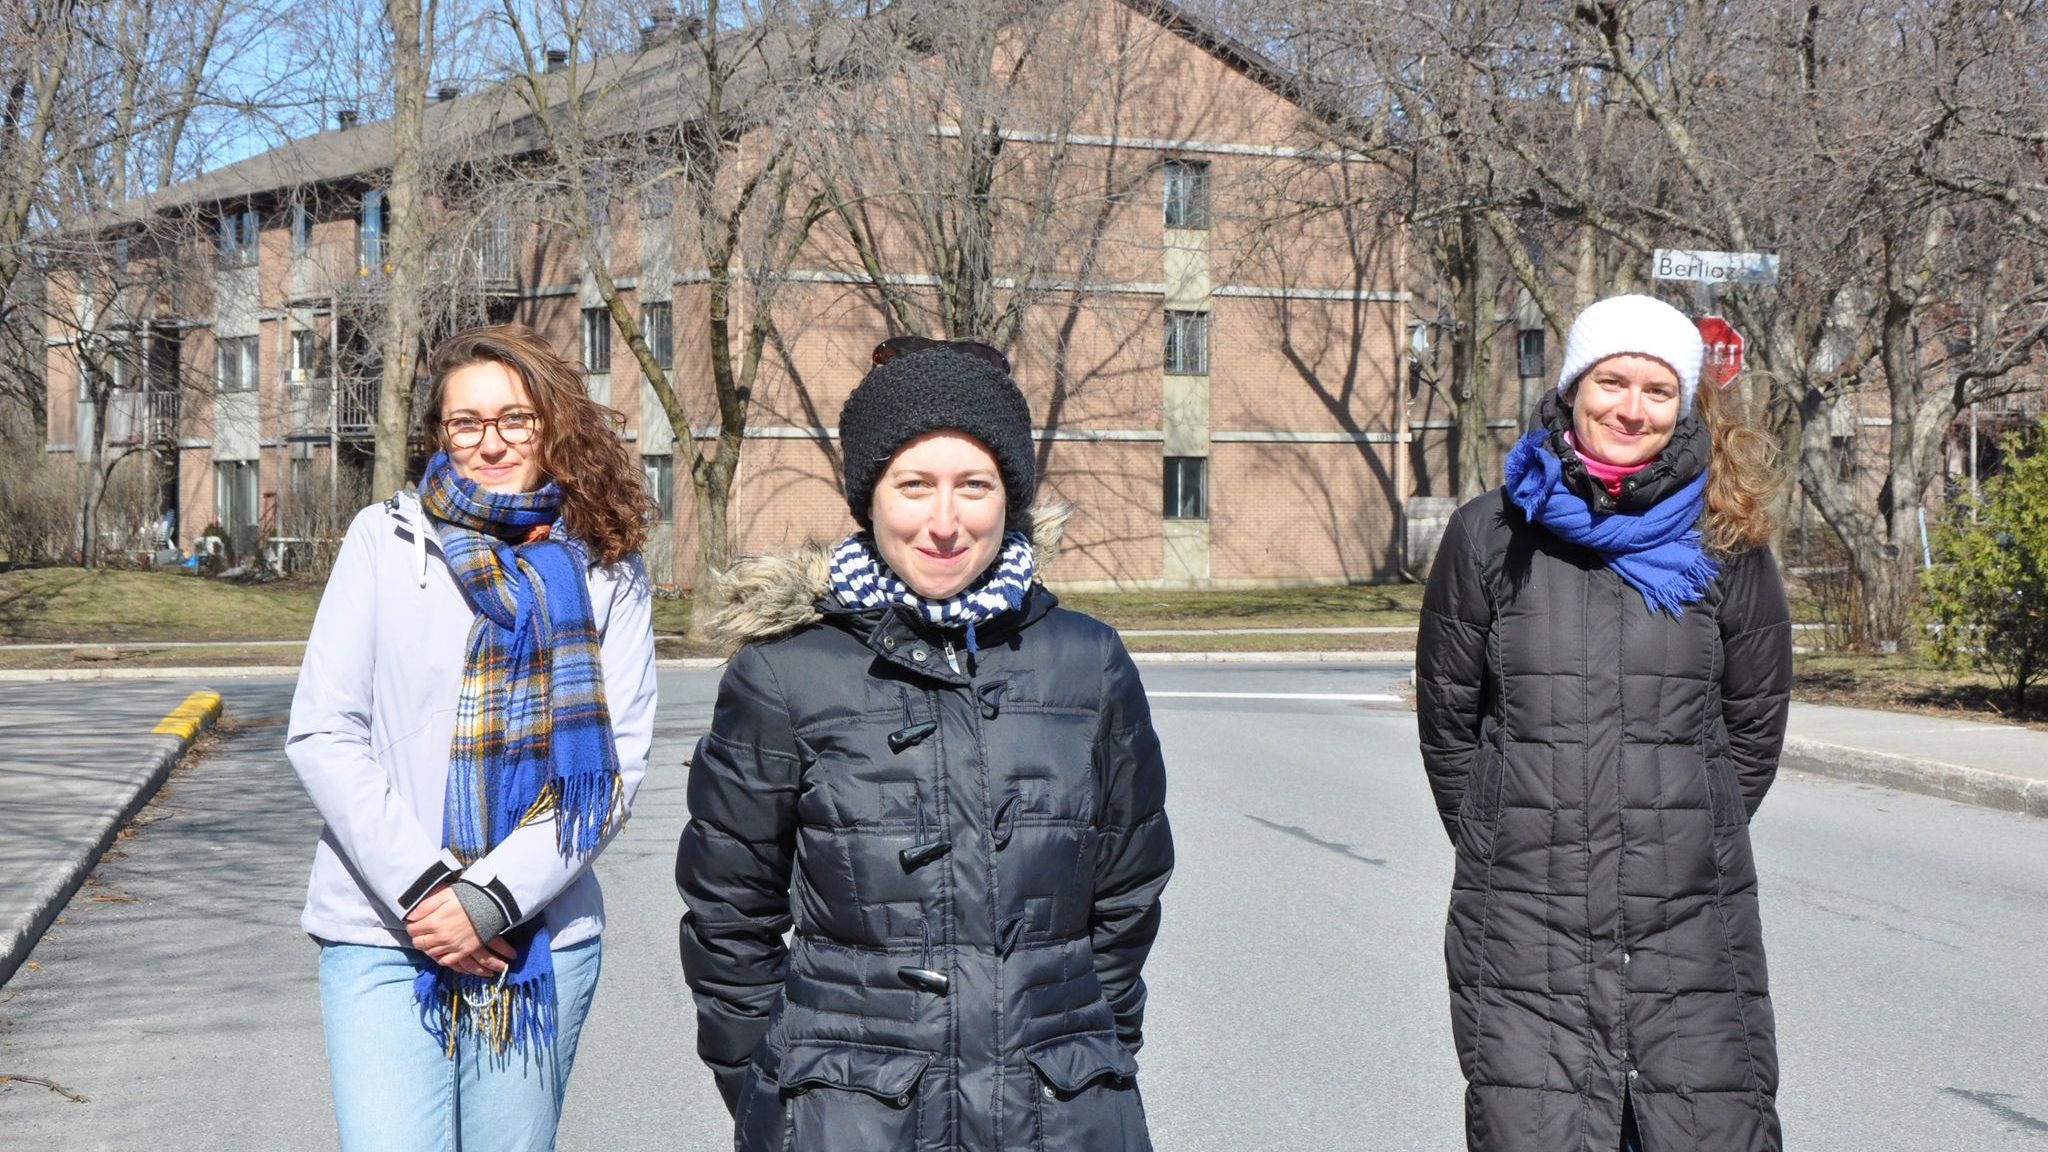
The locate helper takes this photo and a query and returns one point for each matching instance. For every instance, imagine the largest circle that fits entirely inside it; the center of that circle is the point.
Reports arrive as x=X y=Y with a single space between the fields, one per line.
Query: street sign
x=1714 y=267
x=1724 y=349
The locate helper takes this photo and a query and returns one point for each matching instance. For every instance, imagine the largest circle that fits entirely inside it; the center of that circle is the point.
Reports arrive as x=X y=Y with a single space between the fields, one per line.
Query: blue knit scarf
x=1658 y=550
x=533 y=737
x=861 y=580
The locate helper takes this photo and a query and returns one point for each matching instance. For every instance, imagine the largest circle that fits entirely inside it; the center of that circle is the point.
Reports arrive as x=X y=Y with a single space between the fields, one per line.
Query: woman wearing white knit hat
x=1603 y=667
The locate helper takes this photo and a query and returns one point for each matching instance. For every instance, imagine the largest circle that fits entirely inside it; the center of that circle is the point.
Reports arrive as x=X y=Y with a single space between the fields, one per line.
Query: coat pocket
x=845 y=1095
x=1481 y=799
x=759 y=1119
x=1088 y=1096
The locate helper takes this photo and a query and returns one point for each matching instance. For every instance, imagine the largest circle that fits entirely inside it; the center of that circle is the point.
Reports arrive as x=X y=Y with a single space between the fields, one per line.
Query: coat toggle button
x=918 y=855
x=925 y=979
x=912 y=736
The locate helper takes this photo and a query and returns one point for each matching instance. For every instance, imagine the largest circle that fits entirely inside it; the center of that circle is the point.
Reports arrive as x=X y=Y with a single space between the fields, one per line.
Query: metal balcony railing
x=142 y=417
x=355 y=406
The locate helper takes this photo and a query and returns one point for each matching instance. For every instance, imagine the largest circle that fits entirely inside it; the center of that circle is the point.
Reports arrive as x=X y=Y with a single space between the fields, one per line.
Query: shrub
x=1988 y=596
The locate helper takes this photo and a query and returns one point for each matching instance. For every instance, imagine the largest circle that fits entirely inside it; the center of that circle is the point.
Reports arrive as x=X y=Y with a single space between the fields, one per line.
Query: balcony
x=318 y=408
x=142 y=417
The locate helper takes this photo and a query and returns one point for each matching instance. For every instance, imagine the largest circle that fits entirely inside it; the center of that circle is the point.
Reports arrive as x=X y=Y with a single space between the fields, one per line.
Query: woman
x=948 y=786
x=472 y=718
x=1602 y=677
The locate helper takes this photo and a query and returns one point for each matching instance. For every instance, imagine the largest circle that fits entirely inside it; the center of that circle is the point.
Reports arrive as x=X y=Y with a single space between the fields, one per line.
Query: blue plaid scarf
x=1658 y=551
x=533 y=738
x=861 y=580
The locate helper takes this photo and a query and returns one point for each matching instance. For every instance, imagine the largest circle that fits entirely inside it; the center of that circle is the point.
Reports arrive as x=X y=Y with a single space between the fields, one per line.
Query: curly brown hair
x=1743 y=473
x=605 y=502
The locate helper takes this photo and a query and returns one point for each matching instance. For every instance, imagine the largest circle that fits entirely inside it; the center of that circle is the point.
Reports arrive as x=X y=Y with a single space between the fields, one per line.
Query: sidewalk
x=1992 y=765
x=75 y=765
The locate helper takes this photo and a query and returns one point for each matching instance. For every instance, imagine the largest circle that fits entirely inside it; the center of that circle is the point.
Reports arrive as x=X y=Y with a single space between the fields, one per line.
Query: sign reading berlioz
x=1714 y=267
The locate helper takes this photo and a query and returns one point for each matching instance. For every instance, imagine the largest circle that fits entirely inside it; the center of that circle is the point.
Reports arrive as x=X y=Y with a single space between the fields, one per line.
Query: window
x=237 y=355
x=1187 y=343
x=597 y=205
x=123 y=364
x=1187 y=194
x=370 y=228
x=656 y=324
x=236 y=501
x=1529 y=352
x=305 y=354
x=661 y=484
x=493 y=248
x=1844 y=448
x=238 y=230
x=597 y=340
x=302 y=229
x=659 y=203
x=1187 y=488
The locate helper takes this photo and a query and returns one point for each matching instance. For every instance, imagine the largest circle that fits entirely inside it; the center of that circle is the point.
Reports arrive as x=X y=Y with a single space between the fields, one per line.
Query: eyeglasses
x=896 y=346
x=514 y=427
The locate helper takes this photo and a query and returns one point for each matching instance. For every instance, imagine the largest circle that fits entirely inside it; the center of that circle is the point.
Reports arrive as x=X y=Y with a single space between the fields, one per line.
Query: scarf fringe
x=1684 y=588
x=591 y=806
x=514 y=1018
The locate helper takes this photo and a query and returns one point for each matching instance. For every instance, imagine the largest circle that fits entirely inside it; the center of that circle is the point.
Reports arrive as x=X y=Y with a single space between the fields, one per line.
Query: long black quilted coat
x=972 y=864
x=1596 y=766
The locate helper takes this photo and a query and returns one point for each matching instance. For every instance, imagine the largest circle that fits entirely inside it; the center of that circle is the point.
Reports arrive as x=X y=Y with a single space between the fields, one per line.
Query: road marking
x=1351 y=697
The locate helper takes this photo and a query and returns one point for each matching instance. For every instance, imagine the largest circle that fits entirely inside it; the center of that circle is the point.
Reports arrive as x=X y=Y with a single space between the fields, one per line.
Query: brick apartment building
x=1221 y=384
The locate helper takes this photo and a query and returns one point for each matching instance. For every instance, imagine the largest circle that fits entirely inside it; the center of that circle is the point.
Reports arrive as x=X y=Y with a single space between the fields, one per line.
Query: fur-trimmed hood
x=765 y=596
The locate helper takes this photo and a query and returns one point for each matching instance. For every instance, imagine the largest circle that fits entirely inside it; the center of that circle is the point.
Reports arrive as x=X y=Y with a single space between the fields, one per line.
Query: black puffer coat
x=972 y=863
x=1596 y=765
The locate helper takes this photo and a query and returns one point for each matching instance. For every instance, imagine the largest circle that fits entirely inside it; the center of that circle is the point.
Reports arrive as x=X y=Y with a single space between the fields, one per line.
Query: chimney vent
x=447 y=92
x=345 y=119
x=558 y=59
x=661 y=26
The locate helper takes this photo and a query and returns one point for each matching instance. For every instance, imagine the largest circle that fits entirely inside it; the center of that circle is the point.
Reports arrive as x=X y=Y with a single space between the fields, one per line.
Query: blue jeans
x=396 y=1090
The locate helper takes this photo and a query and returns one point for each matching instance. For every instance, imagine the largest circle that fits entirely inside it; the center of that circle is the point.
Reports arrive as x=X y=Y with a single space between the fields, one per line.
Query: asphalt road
x=1297 y=989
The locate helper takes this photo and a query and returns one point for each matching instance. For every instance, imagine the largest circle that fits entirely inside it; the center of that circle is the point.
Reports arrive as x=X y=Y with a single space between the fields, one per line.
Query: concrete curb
x=173 y=735
x=1979 y=786
x=214 y=672
x=1273 y=657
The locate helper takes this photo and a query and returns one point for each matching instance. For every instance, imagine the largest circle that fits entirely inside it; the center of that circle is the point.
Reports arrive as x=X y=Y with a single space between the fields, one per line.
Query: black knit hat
x=927 y=390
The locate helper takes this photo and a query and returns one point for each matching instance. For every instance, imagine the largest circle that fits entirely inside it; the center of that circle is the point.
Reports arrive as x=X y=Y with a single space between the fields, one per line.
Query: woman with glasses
x=927 y=832
x=472 y=717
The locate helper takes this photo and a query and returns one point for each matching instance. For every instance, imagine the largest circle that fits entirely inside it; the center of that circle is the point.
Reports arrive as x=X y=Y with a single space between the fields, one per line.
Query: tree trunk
x=93 y=489
x=713 y=488
x=405 y=250
x=1471 y=360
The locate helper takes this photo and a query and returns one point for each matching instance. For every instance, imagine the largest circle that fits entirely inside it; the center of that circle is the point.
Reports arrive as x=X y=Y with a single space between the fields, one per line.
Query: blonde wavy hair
x=1744 y=471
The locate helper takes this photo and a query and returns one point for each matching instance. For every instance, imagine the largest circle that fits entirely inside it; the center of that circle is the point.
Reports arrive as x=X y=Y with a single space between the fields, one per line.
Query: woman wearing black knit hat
x=947 y=786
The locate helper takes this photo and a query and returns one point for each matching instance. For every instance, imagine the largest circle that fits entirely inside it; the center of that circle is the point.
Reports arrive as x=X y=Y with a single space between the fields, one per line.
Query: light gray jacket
x=374 y=717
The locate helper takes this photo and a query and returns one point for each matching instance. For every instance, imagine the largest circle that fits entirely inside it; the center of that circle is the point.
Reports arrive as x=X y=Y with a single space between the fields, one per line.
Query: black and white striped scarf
x=861 y=580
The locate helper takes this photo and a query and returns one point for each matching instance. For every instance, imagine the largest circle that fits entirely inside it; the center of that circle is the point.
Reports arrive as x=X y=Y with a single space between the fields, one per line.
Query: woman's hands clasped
x=440 y=928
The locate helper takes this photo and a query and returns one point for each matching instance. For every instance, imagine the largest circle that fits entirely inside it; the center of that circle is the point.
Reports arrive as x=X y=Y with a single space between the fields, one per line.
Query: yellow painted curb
x=185 y=721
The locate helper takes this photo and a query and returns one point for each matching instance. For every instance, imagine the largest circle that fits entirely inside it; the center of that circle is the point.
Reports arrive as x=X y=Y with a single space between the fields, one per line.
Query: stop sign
x=1724 y=349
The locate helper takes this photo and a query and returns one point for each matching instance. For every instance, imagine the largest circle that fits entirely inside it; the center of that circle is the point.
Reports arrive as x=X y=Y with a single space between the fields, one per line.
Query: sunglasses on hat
x=896 y=346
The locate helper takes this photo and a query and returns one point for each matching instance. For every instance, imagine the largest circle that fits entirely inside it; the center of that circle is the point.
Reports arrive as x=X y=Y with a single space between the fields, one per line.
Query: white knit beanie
x=1642 y=325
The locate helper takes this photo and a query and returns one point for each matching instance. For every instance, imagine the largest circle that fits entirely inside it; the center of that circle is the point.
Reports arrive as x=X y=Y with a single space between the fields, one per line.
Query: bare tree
x=702 y=112
x=116 y=96
x=411 y=24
